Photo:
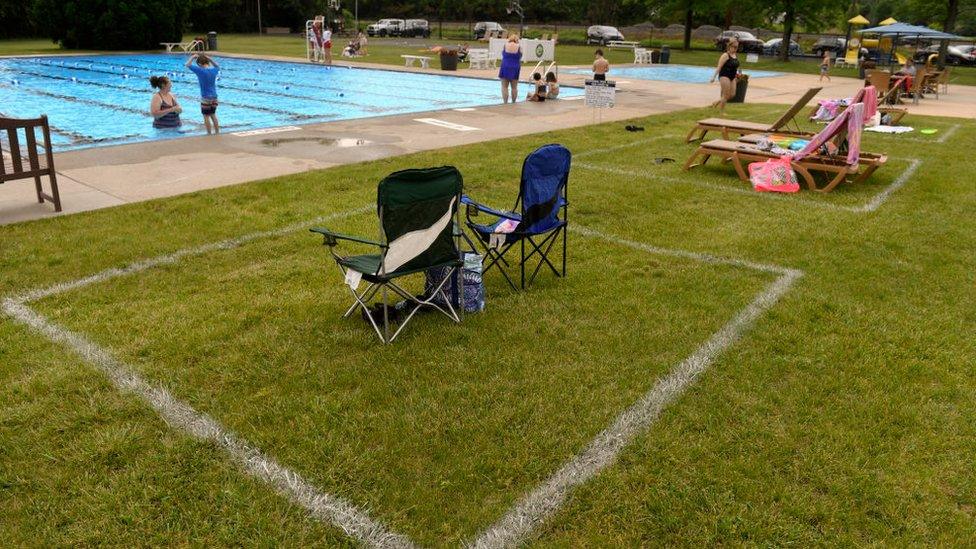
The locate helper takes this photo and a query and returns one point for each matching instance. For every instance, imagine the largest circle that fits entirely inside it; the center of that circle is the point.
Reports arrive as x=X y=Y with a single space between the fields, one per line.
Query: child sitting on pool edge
x=553 y=86
x=206 y=70
x=540 y=89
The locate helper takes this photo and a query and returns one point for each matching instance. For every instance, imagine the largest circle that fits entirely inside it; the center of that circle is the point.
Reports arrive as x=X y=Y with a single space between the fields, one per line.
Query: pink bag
x=774 y=175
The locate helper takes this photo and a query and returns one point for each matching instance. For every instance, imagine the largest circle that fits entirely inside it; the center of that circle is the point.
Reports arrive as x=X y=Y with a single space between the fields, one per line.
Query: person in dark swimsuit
x=164 y=107
x=726 y=72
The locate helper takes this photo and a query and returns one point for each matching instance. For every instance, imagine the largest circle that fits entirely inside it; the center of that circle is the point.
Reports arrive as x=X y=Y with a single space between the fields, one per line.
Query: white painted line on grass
x=266 y=131
x=139 y=266
x=871 y=205
x=182 y=417
x=685 y=254
x=533 y=509
x=519 y=522
x=948 y=133
x=882 y=196
x=621 y=146
x=446 y=124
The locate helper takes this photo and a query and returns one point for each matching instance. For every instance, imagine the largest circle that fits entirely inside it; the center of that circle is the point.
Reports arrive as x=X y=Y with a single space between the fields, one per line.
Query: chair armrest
x=331 y=238
x=487 y=209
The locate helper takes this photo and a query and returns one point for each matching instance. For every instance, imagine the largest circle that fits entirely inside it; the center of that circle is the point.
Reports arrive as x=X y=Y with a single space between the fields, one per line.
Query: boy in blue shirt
x=206 y=70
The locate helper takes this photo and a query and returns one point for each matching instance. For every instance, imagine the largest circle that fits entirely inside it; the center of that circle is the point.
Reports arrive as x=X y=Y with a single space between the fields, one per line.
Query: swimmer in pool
x=164 y=107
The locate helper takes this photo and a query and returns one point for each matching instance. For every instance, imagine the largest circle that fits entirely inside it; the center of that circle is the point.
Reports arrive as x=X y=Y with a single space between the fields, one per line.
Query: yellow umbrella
x=888 y=21
x=859 y=20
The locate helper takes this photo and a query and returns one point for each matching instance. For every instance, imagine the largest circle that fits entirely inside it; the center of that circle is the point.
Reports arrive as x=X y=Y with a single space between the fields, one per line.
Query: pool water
x=104 y=99
x=671 y=73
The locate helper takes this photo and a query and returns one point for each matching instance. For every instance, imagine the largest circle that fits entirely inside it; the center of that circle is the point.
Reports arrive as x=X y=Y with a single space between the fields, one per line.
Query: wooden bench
x=627 y=44
x=12 y=162
x=408 y=61
x=185 y=46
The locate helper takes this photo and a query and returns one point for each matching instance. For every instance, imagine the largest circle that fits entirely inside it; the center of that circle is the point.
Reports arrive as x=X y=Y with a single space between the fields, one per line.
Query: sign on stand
x=600 y=94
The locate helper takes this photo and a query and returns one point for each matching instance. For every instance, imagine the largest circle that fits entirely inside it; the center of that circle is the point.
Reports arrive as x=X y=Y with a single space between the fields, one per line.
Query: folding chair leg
x=361 y=299
x=544 y=256
x=522 y=263
x=565 y=236
x=495 y=257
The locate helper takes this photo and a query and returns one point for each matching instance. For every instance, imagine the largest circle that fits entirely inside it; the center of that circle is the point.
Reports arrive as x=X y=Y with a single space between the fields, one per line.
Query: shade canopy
x=910 y=31
x=858 y=20
x=889 y=21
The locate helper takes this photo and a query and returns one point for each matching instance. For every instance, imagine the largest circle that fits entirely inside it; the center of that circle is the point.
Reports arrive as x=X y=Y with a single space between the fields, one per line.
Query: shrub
x=111 y=24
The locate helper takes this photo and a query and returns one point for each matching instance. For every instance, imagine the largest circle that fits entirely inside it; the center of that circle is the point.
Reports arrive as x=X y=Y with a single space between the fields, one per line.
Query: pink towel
x=870 y=102
x=853 y=119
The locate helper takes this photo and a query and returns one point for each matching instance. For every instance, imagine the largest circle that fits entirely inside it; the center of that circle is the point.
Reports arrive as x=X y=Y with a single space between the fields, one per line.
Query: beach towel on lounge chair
x=851 y=122
x=854 y=164
x=741 y=127
x=830 y=108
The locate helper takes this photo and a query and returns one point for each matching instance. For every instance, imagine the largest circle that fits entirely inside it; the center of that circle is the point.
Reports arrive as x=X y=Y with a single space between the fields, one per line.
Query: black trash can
x=212 y=41
x=449 y=59
x=665 y=55
x=741 y=85
x=655 y=56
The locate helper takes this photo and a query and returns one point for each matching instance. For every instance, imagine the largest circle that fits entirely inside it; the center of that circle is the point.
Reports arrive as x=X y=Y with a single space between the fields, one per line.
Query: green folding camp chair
x=418 y=213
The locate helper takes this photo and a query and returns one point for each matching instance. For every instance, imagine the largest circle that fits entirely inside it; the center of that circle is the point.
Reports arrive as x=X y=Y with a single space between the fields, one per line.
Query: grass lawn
x=844 y=416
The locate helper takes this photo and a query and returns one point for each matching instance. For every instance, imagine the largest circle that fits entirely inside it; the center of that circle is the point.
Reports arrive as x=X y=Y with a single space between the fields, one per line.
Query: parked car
x=601 y=34
x=955 y=55
x=747 y=42
x=386 y=27
x=482 y=28
x=772 y=47
x=833 y=44
x=416 y=28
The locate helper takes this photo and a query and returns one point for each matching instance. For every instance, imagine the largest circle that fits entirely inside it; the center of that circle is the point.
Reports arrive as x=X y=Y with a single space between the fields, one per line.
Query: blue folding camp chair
x=539 y=217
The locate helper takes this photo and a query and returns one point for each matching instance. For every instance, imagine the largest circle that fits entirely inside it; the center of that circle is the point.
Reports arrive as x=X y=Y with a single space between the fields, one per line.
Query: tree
x=952 y=13
x=811 y=13
x=16 y=19
x=111 y=24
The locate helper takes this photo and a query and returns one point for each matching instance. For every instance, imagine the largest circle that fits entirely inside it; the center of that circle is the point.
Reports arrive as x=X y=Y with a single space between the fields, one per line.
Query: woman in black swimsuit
x=728 y=67
x=164 y=107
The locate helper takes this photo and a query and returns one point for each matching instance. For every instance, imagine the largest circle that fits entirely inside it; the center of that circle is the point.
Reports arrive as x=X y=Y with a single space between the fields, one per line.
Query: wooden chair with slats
x=12 y=156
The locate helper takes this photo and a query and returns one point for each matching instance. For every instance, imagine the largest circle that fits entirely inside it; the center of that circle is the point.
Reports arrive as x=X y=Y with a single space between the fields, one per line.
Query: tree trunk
x=949 y=26
x=689 y=18
x=788 y=19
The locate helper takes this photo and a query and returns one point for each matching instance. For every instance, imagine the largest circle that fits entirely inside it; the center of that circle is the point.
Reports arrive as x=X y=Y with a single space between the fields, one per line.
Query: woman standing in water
x=164 y=107
x=511 y=68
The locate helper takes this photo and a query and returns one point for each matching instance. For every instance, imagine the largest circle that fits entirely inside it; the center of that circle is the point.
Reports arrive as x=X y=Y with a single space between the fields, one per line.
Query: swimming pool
x=671 y=73
x=104 y=99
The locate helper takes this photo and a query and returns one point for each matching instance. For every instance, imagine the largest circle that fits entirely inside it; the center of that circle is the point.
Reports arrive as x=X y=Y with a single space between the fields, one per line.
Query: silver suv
x=483 y=28
x=385 y=27
x=416 y=28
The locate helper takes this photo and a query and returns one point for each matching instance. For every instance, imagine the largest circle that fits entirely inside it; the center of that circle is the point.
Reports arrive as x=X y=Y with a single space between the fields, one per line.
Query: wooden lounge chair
x=838 y=168
x=742 y=127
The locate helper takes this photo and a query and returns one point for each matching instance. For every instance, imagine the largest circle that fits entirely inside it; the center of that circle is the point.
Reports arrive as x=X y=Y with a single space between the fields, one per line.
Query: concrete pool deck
x=102 y=177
